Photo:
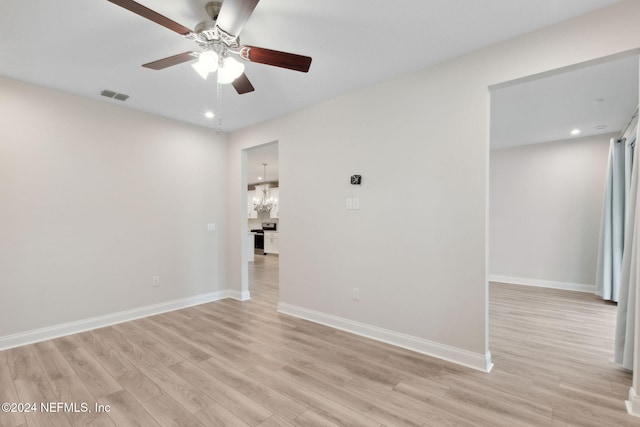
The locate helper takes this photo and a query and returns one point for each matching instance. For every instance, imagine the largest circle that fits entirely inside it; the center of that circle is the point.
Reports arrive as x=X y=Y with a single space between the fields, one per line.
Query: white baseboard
x=462 y=357
x=240 y=296
x=50 y=332
x=633 y=404
x=567 y=286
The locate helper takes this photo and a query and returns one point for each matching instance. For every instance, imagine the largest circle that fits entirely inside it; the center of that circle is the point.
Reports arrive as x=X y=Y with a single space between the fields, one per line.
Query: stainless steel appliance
x=258 y=247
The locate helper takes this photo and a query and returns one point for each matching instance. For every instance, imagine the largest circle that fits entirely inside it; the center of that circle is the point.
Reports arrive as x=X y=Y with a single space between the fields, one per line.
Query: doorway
x=263 y=221
x=548 y=160
x=548 y=163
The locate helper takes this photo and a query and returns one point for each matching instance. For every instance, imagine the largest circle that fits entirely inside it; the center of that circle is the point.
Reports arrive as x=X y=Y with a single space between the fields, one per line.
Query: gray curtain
x=614 y=219
x=625 y=321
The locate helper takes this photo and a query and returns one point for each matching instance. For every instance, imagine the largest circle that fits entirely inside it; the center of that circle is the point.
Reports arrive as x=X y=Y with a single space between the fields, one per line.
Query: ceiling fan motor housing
x=213 y=9
x=206 y=29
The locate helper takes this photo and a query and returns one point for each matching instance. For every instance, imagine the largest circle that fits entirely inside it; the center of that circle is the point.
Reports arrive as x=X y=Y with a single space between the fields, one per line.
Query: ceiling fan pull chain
x=219 y=105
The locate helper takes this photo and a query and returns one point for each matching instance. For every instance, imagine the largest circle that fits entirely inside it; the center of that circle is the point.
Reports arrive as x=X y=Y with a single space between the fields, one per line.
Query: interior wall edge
x=239 y=295
x=564 y=69
x=633 y=404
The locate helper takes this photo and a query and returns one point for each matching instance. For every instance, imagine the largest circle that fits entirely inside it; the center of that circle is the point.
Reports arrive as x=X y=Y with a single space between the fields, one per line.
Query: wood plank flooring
x=230 y=363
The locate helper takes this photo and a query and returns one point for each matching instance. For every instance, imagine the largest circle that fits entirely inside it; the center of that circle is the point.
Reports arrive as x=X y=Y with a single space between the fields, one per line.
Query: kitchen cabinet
x=274 y=194
x=251 y=213
x=271 y=243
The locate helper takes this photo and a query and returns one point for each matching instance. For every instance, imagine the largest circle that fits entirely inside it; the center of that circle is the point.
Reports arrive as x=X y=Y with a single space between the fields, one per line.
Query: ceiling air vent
x=114 y=95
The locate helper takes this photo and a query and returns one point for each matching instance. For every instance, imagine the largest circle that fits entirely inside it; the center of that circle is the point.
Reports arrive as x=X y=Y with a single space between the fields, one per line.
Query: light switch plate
x=211 y=227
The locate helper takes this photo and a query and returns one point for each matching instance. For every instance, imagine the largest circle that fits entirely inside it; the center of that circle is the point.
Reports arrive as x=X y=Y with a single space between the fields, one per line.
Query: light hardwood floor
x=230 y=363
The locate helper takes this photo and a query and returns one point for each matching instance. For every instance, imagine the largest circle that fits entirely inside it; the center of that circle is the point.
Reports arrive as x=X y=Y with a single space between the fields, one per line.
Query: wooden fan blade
x=276 y=58
x=234 y=14
x=242 y=84
x=152 y=15
x=171 y=60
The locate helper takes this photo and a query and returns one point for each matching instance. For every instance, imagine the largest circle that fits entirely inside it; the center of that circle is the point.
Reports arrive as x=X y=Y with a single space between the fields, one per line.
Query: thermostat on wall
x=356 y=179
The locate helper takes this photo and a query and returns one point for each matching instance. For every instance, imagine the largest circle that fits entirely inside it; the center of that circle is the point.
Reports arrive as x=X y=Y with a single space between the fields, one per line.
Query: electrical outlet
x=211 y=227
x=356 y=294
x=155 y=281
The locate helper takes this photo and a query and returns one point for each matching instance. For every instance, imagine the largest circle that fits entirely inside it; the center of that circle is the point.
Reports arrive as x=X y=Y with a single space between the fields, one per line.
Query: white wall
x=545 y=212
x=421 y=144
x=95 y=199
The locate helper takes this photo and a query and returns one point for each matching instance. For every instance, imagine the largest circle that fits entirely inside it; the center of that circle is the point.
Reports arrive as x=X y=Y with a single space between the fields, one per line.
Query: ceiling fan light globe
x=209 y=59
x=236 y=66
x=201 y=69
x=207 y=63
x=230 y=70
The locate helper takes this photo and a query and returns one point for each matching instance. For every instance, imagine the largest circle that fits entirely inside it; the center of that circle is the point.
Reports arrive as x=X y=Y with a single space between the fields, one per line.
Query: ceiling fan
x=220 y=43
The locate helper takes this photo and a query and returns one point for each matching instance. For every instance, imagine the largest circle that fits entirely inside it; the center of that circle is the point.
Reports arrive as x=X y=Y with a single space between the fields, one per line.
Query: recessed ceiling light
x=259 y=178
x=575 y=132
x=209 y=115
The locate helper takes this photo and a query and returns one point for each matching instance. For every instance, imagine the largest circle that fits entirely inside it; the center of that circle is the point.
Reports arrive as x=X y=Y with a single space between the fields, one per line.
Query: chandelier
x=264 y=204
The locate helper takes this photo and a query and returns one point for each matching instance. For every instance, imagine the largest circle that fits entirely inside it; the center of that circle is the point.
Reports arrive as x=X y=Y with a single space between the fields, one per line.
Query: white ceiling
x=596 y=99
x=83 y=47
